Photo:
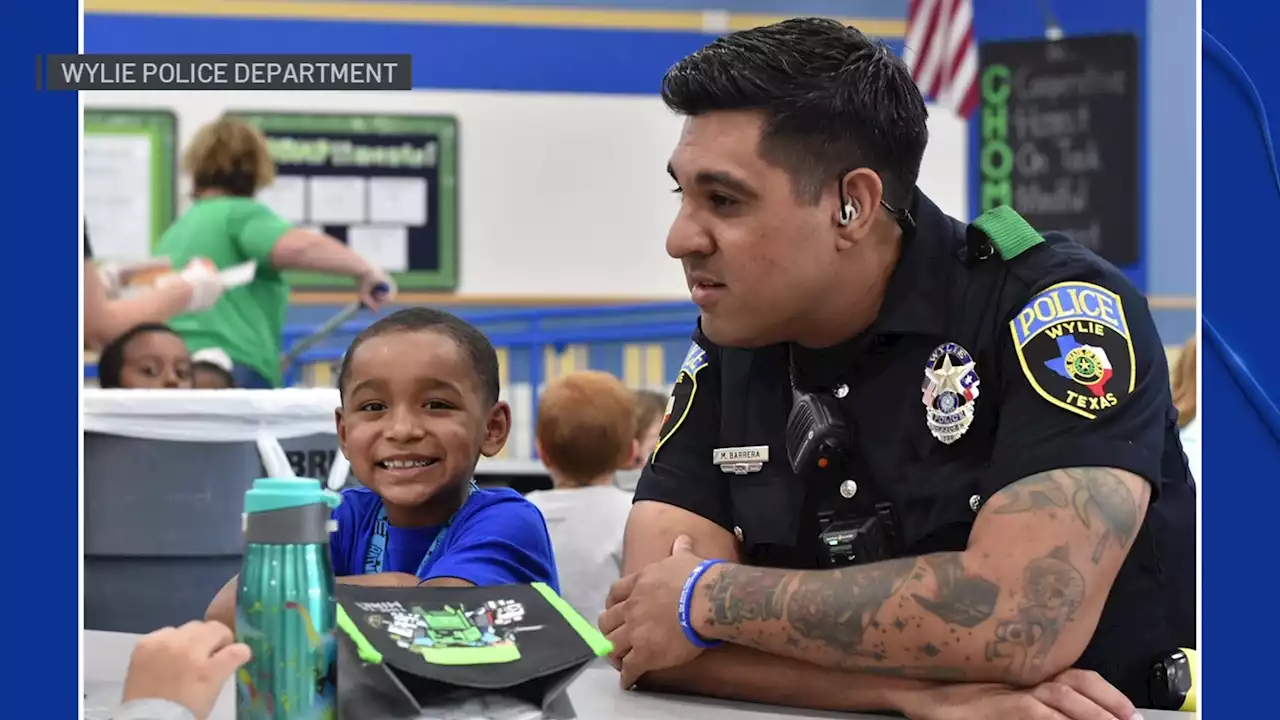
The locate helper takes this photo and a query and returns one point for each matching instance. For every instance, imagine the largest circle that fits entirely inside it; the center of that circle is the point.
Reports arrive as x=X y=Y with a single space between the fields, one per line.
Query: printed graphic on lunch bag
x=452 y=635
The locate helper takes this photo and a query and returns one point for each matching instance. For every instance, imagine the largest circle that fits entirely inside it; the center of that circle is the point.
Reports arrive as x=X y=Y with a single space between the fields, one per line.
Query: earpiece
x=849 y=211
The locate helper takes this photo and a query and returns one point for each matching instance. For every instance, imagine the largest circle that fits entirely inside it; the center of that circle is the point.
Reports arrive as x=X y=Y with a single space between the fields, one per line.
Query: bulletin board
x=386 y=185
x=130 y=180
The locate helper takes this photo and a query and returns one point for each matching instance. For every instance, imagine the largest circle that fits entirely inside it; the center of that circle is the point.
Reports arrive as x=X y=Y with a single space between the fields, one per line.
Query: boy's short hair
x=586 y=424
x=484 y=359
x=111 y=359
x=650 y=407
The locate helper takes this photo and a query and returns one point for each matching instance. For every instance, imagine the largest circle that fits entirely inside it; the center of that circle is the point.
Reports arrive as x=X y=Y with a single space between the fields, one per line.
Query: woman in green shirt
x=229 y=162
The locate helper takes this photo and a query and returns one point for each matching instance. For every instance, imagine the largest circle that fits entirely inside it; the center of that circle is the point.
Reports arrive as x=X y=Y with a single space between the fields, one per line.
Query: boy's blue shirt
x=496 y=538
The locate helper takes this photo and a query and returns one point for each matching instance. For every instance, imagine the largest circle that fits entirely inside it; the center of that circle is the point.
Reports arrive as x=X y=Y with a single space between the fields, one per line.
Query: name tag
x=741 y=460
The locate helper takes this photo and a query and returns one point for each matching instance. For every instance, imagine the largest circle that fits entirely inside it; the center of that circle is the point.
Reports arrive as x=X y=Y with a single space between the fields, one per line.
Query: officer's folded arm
x=1017 y=606
x=741 y=673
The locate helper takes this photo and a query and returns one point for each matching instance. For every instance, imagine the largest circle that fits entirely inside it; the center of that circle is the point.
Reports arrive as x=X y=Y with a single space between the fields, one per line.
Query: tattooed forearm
x=987 y=613
x=1099 y=490
x=962 y=599
x=1033 y=493
x=1100 y=497
x=1052 y=591
x=836 y=607
x=746 y=593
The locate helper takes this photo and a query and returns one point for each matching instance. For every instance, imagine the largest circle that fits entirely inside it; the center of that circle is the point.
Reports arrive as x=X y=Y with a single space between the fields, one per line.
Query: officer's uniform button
x=848 y=489
x=974 y=502
x=737 y=532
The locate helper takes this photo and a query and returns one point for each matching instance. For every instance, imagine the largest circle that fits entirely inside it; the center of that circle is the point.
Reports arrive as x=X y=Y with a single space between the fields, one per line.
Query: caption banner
x=227 y=72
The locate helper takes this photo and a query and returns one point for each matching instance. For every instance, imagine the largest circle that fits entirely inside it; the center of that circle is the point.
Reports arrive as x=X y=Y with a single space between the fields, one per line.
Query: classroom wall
x=562 y=194
x=569 y=65
x=564 y=141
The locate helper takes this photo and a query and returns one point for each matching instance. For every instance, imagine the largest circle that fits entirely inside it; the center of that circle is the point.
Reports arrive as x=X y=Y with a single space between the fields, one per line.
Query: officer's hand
x=642 y=620
x=1073 y=695
x=188 y=665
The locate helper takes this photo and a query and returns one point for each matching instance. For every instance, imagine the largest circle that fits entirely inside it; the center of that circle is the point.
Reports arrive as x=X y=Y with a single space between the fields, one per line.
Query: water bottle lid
x=280 y=493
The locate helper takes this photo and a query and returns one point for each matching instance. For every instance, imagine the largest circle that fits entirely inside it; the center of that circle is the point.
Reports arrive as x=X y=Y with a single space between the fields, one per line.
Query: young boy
x=419 y=391
x=586 y=429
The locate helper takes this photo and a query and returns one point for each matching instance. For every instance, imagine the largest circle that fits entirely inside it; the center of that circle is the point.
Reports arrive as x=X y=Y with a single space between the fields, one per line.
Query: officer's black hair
x=833 y=100
x=111 y=359
x=484 y=359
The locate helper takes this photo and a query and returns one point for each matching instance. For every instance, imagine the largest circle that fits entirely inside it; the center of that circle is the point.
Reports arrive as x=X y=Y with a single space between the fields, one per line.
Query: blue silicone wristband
x=686 y=602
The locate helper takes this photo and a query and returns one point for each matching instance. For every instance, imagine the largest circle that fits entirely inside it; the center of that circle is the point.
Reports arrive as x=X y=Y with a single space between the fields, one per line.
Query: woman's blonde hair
x=229 y=155
x=1184 y=383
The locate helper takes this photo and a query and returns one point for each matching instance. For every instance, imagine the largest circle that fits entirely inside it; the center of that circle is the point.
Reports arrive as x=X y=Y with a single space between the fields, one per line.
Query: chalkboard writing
x=1059 y=125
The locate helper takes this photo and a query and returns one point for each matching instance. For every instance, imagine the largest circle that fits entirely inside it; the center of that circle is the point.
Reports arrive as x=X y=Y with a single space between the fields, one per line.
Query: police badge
x=949 y=392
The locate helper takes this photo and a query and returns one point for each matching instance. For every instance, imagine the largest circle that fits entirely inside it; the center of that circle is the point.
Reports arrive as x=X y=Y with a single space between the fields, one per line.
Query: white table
x=595 y=694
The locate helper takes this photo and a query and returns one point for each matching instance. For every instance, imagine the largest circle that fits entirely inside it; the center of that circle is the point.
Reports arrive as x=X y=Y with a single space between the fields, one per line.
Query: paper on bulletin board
x=117 y=195
x=386 y=247
x=287 y=196
x=337 y=200
x=398 y=200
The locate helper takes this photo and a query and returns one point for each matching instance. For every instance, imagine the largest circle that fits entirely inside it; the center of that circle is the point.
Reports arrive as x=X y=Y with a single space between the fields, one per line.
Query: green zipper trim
x=367 y=652
x=594 y=639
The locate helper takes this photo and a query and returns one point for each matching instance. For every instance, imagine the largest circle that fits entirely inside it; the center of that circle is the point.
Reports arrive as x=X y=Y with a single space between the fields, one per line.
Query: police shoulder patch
x=1074 y=345
x=682 y=394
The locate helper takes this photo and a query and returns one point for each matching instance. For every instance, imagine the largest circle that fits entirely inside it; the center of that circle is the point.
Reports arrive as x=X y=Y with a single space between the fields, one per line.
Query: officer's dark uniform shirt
x=1068 y=371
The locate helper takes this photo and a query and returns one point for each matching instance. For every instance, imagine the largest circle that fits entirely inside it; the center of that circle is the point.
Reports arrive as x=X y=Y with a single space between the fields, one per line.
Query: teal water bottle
x=285 y=609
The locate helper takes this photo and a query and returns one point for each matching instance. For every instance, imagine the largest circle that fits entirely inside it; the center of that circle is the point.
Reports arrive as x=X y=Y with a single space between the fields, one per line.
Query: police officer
x=926 y=450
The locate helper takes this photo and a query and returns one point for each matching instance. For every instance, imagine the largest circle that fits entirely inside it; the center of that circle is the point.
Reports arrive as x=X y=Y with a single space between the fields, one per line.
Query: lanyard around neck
x=375 y=557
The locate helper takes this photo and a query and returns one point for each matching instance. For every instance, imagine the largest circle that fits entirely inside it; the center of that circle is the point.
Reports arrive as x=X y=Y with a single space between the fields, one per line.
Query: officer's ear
x=859 y=192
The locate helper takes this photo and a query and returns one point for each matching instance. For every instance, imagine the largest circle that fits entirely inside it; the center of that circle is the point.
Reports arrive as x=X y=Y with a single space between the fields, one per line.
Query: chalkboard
x=386 y=185
x=1060 y=138
x=130 y=180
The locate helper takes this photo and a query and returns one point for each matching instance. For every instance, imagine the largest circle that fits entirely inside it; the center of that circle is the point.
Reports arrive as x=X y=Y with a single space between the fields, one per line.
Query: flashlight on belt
x=1173 y=681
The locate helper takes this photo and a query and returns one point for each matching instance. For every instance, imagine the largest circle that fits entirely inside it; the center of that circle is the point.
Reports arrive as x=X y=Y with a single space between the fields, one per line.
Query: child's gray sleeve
x=152 y=709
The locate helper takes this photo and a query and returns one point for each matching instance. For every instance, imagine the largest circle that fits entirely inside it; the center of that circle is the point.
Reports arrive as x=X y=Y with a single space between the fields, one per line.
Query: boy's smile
x=414 y=421
x=406 y=462
x=406 y=468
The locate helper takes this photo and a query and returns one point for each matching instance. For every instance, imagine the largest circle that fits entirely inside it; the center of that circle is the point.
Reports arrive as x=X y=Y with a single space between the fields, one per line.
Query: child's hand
x=187 y=665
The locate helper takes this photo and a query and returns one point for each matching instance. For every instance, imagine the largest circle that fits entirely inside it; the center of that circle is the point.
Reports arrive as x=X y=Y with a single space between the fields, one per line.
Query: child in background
x=211 y=368
x=145 y=357
x=419 y=392
x=651 y=408
x=586 y=430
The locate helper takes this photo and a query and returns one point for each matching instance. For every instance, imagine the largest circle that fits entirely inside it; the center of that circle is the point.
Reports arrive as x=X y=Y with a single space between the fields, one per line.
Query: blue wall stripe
x=878 y=9
x=455 y=57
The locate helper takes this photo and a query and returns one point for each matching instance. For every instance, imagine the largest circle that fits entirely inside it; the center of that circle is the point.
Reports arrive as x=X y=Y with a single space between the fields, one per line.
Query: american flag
x=942 y=54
